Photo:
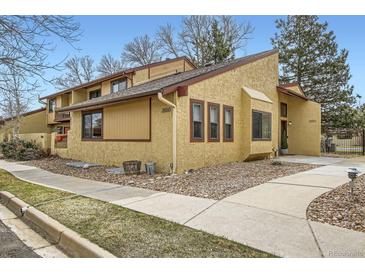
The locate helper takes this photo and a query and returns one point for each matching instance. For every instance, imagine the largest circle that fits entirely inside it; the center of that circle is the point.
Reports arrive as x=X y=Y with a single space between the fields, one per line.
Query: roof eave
x=198 y=78
x=117 y=74
x=290 y=93
x=109 y=102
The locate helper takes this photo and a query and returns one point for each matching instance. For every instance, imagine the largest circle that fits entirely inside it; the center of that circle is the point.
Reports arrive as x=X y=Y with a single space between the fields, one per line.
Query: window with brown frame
x=283 y=110
x=213 y=122
x=196 y=120
x=228 y=123
x=94 y=94
x=261 y=126
x=118 y=85
x=92 y=125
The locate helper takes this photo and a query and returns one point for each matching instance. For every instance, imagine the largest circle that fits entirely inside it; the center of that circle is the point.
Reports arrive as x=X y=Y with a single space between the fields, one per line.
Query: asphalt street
x=11 y=246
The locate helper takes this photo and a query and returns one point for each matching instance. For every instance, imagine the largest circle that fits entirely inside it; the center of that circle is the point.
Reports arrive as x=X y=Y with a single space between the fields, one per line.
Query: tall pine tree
x=220 y=48
x=309 y=55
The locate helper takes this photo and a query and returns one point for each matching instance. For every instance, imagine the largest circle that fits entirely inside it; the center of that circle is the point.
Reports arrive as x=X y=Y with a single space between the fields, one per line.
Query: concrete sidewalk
x=270 y=217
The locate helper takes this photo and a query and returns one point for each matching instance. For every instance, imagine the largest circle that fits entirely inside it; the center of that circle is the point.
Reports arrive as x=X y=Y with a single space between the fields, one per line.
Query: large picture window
x=118 y=85
x=197 y=120
x=261 y=125
x=92 y=125
x=228 y=123
x=213 y=122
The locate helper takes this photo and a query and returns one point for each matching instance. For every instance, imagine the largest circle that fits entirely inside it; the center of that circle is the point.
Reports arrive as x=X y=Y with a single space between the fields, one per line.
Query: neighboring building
x=182 y=117
x=33 y=127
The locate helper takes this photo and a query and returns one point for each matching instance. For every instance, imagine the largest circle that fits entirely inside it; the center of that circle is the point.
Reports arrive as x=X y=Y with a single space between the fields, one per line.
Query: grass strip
x=121 y=231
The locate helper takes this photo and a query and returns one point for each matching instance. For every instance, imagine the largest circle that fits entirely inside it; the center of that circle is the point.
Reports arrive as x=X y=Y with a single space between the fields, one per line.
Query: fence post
x=363 y=141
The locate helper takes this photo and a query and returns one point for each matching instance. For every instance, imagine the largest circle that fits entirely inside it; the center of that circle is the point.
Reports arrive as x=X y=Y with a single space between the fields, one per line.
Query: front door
x=284 y=137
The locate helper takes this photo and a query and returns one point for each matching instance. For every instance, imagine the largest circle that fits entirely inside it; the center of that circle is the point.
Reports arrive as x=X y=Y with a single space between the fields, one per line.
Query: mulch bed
x=216 y=182
x=338 y=207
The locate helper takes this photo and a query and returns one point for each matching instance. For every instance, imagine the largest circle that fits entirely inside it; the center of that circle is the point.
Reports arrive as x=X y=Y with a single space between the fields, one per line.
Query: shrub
x=21 y=150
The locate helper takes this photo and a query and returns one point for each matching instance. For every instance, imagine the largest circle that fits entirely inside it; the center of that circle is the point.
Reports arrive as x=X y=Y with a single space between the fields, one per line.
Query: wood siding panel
x=166 y=69
x=129 y=121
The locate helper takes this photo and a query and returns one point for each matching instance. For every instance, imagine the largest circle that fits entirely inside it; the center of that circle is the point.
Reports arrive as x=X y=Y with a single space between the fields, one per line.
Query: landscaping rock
x=215 y=182
x=338 y=207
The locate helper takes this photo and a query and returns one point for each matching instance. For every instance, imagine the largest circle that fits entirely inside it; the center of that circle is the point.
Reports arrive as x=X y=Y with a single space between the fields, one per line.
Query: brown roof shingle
x=170 y=83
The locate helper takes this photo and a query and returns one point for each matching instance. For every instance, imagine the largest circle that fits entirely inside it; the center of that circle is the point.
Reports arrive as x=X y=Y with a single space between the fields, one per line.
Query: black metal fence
x=343 y=141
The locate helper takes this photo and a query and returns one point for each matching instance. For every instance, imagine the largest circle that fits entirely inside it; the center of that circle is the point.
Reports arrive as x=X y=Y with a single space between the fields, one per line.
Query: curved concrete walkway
x=270 y=217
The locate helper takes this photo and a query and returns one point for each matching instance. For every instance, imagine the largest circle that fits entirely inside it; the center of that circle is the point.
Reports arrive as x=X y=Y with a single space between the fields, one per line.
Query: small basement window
x=92 y=125
x=228 y=123
x=197 y=120
x=94 y=94
x=261 y=126
x=118 y=85
x=213 y=122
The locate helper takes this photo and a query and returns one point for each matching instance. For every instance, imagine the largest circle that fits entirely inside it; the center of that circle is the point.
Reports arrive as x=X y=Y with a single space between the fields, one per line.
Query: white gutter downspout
x=167 y=102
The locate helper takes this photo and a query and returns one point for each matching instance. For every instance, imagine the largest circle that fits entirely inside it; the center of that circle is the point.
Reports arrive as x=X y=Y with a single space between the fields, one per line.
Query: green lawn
x=124 y=232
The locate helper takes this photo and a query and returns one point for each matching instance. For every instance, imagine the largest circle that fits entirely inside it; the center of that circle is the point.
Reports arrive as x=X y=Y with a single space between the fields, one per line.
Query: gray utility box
x=150 y=168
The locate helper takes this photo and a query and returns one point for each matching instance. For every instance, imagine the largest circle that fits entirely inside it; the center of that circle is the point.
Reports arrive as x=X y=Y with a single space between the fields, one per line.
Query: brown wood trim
x=110 y=102
x=290 y=93
x=149 y=73
x=218 y=71
x=261 y=139
x=117 y=74
x=182 y=91
x=184 y=65
x=209 y=104
x=82 y=124
x=150 y=105
x=224 y=122
x=116 y=140
x=192 y=101
x=286 y=110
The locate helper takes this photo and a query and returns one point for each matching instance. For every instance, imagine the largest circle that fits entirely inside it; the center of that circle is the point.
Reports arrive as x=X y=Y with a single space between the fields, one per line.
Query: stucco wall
x=158 y=149
x=42 y=139
x=226 y=89
x=304 y=126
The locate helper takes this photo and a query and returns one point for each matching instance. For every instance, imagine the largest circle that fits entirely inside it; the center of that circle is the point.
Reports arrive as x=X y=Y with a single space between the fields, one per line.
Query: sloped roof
x=285 y=89
x=117 y=74
x=170 y=83
x=25 y=114
x=257 y=95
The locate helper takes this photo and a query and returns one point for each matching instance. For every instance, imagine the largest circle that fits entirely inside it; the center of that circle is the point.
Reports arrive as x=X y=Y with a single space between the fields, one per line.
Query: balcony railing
x=62 y=116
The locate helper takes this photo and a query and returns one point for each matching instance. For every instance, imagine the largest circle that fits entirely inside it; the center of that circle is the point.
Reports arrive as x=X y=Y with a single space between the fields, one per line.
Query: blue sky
x=108 y=34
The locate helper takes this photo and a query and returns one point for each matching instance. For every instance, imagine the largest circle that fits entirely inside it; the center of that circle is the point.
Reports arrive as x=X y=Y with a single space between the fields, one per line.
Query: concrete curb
x=5 y=197
x=64 y=237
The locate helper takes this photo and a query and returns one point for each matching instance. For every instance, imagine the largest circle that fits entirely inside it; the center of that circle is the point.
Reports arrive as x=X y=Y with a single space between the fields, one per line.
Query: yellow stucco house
x=33 y=127
x=183 y=117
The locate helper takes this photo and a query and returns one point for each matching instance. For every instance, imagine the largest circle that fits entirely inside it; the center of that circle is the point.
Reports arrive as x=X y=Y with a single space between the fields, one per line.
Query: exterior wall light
x=352 y=173
x=290 y=123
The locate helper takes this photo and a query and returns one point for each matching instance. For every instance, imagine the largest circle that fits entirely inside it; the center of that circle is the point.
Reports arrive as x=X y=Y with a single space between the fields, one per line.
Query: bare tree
x=109 y=65
x=141 y=51
x=25 y=43
x=16 y=95
x=195 y=38
x=79 y=70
